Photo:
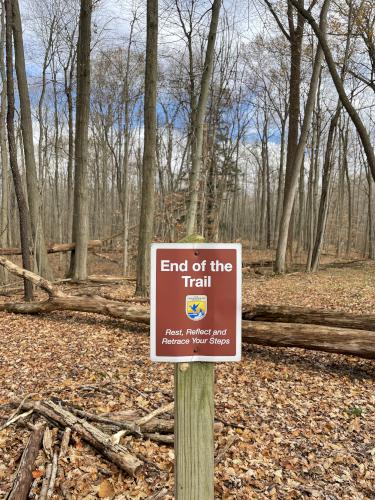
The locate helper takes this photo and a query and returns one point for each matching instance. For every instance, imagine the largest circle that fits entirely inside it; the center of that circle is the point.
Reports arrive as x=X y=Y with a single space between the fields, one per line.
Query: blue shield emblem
x=196 y=307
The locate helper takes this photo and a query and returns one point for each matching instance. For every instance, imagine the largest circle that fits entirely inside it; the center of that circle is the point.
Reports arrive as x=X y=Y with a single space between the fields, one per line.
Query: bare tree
x=21 y=200
x=146 y=221
x=80 y=230
x=198 y=122
x=296 y=154
x=4 y=222
x=352 y=112
x=33 y=193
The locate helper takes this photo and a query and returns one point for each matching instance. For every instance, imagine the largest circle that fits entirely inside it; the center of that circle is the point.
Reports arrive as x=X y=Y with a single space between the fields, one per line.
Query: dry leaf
x=37 y=473
x=106 y=489
x=355 y=425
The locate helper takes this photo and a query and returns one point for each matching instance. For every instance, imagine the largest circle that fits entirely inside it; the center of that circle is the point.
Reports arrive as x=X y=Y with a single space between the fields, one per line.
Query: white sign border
x=195 y=246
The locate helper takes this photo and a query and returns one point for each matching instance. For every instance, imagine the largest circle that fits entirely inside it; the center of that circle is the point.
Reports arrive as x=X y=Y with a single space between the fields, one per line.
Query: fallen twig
x=46 y=480
x=65 y=442
x=221 y=453
x=159 y=411
x=11 y=418
x=51 y=485
x=15 y=419
x=160 y=438
x=159 y=495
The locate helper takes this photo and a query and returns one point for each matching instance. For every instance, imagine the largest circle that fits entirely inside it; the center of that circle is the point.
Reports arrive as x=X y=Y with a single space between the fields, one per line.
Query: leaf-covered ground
x=305 y=421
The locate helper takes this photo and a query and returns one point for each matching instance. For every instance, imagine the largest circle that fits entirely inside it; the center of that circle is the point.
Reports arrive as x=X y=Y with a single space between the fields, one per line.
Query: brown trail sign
x=195 y=302
x=195 y=318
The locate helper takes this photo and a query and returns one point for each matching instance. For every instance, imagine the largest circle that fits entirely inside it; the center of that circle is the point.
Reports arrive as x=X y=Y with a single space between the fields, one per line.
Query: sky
x=112 y=19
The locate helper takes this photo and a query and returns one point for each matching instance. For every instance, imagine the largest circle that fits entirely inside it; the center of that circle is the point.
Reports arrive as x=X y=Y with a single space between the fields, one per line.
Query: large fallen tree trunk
x=85 y=303
x=358 y=341
x=64 y=247
x=54 y=248
x=287 y=314
x=314 y=337
x=59 y=301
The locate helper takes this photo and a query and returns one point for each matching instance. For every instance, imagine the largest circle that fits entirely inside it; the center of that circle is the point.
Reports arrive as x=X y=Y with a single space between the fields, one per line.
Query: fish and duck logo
x=196 y=307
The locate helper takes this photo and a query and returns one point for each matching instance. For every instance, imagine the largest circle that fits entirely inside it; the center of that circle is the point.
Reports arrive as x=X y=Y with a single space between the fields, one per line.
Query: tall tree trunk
x=33 y=193
x=280 y=182
x=198 y=123
x=301 y=208
x=326 y=183
x=146 y=222
x=348 y=185
x=309 y=203
x=80 y=231
x=370 y=223
x=4 y=221
x=125 y=165
x=268 y=192
x=236 y=193
x=296 y=155
x=340 y=195
x=46 y=62
x=68 y=83
x=21 y=200
x=291 y=169
x=211 y=205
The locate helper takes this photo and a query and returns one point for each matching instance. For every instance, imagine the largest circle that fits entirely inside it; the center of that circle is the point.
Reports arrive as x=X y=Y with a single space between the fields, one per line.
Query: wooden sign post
x=195 y=322
x=194 y=430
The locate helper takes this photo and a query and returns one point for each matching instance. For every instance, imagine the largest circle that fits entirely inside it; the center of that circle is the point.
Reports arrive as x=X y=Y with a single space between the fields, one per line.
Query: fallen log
x=329 y=331
x=66 y=247
x=99 y=440
x=54 y=248
x=23 y=480
x=105 y=257
x=313 y=337
x=109 y=279
x=258 y=263
x=287 y=314
x=90 y=304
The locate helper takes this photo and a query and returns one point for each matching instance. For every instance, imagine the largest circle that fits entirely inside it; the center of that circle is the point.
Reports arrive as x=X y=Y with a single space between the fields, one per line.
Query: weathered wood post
x=194 y=430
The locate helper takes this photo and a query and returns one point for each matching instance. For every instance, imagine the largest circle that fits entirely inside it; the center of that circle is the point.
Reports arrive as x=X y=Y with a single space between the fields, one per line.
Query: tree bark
x=323 y=338
x=146 y=222
x=370 y=232
x=324 y=198
x=4 y=217
x=23 y=480
x=288 y=314
x=197 y=125
x=33 y=193
x=125 y=164
x=68 y=89
x=80 y=231
x=21 y=200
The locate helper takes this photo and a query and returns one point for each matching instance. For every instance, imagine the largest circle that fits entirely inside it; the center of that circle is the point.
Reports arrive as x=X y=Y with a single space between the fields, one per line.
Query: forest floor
x=304 y=421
